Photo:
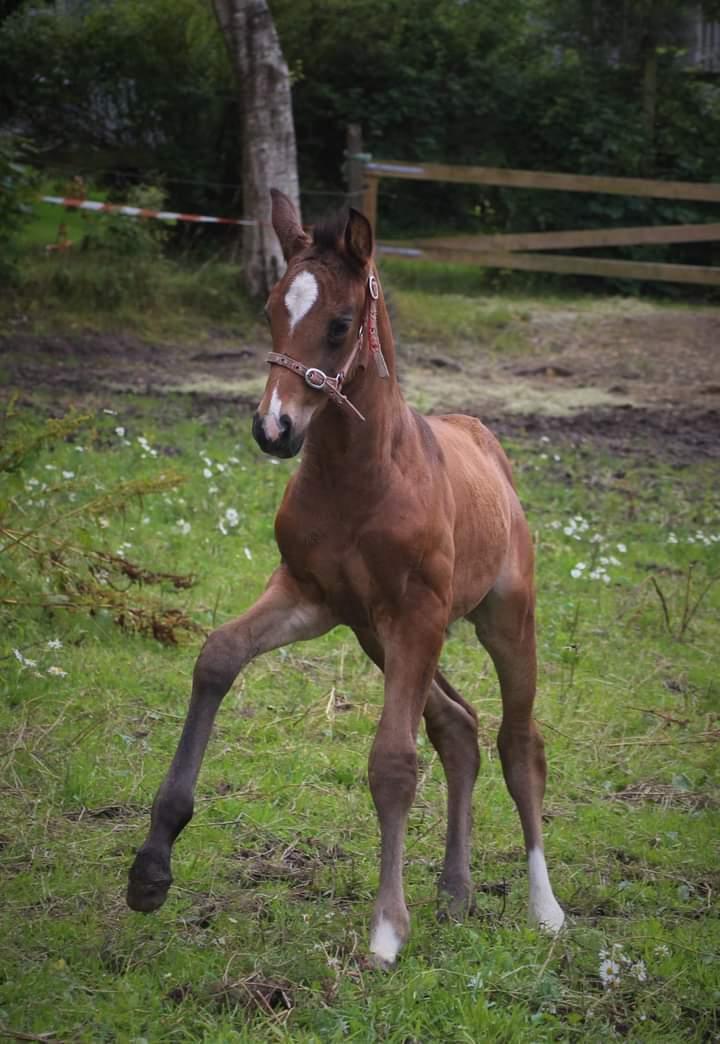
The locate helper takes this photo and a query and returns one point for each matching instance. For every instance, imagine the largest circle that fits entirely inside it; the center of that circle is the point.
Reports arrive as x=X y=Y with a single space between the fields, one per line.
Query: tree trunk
x=269 y=151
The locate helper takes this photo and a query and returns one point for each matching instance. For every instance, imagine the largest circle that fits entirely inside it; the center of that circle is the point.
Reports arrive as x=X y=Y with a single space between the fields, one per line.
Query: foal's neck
x=345 y=445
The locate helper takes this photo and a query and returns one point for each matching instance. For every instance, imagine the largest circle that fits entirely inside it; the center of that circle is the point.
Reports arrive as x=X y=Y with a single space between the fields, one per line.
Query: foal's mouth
x=287 y=443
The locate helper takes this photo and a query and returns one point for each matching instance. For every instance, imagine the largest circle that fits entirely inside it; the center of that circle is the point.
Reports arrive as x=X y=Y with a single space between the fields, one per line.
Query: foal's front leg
x=412 y=649
x=282 y=614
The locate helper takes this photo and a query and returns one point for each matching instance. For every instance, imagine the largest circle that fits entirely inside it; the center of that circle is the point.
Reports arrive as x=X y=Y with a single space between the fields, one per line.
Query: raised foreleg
x=284 y=613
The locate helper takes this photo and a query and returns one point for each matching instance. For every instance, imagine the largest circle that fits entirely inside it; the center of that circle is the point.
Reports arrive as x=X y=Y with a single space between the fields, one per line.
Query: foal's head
x=315 y=312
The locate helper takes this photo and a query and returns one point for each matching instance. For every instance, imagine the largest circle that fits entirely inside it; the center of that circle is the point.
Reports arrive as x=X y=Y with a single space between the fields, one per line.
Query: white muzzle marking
x=271 y=420
x=300 y=297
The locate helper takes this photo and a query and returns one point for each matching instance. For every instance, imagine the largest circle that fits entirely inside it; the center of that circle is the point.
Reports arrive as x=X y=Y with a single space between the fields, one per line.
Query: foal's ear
x=359 y=237
x=286 y=222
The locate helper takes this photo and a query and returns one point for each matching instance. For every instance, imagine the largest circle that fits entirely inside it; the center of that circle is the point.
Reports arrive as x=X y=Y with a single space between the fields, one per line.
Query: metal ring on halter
x=315 y=378
x=373 y=288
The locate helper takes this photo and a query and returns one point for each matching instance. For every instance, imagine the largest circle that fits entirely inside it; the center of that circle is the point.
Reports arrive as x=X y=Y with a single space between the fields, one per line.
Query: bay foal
x=394 y=525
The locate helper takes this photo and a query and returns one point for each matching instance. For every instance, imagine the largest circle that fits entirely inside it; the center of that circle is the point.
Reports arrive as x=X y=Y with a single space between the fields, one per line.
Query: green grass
x=156 y=298
x=44 y=229
x=276 y=873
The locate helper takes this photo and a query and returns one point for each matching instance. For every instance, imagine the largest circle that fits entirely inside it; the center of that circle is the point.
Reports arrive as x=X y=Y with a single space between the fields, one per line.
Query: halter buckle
x=315 y=378
x=373 y=287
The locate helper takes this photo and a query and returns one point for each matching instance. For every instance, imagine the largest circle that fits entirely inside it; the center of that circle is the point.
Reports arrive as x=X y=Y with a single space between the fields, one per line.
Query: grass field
x=263 y=935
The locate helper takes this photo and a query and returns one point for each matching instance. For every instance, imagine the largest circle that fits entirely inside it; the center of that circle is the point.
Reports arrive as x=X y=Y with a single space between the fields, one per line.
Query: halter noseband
x=318 y=380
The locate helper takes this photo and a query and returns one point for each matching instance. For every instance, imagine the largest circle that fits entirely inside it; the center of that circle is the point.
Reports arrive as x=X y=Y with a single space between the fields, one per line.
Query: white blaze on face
x=545 y=911
x=300 y=297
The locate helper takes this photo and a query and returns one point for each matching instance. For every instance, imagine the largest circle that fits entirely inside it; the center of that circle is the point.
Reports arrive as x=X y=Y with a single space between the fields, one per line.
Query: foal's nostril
x=285 y=426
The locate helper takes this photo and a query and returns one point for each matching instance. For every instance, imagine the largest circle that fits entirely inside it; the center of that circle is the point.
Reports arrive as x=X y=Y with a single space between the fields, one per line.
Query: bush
x=124 y=236
x=17 y=182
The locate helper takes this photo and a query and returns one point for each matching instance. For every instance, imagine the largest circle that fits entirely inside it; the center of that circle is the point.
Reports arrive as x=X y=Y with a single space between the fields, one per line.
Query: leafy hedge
x=497 y=82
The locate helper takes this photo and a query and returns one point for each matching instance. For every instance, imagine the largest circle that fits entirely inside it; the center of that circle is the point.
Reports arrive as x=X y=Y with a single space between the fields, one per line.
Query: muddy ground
x=637 y=379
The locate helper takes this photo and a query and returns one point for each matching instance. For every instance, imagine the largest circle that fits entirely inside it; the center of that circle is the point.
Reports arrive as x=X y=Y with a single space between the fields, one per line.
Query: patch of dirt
x=632 y=376
x=255 y=993
x=664 y=794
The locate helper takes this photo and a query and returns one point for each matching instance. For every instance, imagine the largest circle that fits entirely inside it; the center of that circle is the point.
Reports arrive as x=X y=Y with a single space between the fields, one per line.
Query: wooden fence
x=517 y=250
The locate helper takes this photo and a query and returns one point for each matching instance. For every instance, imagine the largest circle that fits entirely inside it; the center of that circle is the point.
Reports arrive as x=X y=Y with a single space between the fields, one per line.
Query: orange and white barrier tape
x=142 y=212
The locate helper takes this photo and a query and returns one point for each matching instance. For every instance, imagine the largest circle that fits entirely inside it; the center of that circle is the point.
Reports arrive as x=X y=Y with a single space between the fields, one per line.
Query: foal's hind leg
x=282 y=614
x=452 y=727
x=505 y=624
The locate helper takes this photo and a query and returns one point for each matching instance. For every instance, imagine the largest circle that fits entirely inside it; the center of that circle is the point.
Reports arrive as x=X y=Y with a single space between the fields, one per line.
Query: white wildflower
x=183 y=526
x=621 y=548
x=120 y=431
x=23 y=660
x=639 y=970
x=609 y=972
x=54 y=643
x=232 y=517
x=207 y=473
x=68 y=474
x=58 y=672
x=248 y=553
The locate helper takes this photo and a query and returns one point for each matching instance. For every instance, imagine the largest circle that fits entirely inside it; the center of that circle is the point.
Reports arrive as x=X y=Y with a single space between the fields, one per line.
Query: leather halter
x=318 y=380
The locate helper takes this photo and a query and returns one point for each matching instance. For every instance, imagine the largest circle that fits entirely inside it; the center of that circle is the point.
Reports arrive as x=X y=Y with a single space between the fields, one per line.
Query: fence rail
x=512 y=251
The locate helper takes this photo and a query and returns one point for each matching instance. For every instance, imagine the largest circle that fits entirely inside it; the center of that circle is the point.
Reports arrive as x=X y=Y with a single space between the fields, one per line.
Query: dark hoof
x=149 y=879
x=454 y=906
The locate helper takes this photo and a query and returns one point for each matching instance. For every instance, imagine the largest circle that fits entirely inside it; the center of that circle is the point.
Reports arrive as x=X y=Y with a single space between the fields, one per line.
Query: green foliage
x=148 y=84
x=158 y=297
x=51 y=551
x=17 y=181
x=141 y=86
x=121 y=236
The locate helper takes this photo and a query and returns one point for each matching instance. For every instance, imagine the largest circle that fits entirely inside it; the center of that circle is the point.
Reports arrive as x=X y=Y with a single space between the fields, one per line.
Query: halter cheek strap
x=318 y=380
x=332 y=386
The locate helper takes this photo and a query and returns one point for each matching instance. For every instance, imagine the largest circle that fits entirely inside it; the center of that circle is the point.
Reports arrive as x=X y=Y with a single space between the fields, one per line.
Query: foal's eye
x=339 y=327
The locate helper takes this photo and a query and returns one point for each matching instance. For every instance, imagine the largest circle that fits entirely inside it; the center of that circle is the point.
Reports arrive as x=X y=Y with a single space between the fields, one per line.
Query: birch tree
x=268 y=131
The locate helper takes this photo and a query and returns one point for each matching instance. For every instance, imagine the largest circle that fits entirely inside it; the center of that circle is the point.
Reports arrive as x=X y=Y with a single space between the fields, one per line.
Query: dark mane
x=328 y=232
